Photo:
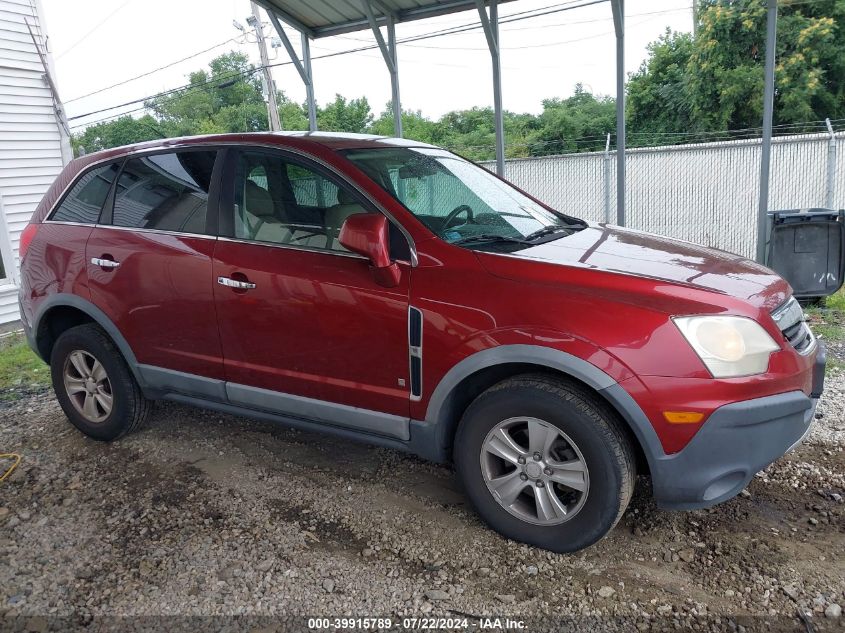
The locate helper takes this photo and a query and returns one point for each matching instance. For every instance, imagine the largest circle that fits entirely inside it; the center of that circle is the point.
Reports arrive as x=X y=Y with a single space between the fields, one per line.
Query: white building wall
x=33 y=147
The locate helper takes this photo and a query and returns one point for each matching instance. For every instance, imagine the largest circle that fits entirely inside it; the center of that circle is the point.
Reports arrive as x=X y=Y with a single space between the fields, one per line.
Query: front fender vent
x=415 y=350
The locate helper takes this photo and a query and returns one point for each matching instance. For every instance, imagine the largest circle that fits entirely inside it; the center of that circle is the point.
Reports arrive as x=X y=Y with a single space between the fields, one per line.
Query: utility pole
x=267 y=79
x=694 y=18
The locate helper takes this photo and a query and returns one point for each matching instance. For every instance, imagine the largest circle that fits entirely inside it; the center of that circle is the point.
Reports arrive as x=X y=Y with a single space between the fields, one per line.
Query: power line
x=188 y=89
x=192 y=87
x=593 y=20
x=532 y=27
x=512 y=18
x=94 y=28
x=236 y=40
x=676 y=138
x=155 y=70
x=516 y=17
x=108 y=118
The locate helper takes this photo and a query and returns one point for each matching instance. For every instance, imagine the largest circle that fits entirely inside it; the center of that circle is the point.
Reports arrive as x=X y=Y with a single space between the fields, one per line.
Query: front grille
x=791 y=321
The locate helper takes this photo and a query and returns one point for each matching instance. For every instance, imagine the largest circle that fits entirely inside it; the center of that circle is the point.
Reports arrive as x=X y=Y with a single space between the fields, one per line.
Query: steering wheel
x=454 y=213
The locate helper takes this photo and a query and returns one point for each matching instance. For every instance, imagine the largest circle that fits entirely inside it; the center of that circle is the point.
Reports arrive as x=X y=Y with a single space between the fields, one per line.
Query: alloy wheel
x=87 y=385
x=534 y=470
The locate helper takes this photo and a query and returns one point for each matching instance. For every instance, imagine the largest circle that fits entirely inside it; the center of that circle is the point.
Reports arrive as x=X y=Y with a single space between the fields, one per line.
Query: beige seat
x=261 y=222
x=336 y=215
x=259 y=216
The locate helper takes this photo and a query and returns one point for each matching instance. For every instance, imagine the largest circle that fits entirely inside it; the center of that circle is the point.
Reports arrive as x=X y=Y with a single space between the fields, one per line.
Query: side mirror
x=368 y=234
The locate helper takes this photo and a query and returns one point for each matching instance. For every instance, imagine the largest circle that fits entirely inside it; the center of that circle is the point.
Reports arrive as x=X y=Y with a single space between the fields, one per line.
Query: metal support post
x=388 y=52
x=830 y=189
x=309 y=86
x=618 y=7
x=396 y=102
x=768 y=113
x=491 y=31
x=607 y=180
x=302 y=67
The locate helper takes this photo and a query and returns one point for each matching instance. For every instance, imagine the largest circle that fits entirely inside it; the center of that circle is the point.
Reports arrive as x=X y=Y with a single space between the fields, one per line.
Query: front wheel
x=544 y=461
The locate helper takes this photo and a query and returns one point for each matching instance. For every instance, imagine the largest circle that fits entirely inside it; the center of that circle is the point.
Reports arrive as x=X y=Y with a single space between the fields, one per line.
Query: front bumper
x=736 y=442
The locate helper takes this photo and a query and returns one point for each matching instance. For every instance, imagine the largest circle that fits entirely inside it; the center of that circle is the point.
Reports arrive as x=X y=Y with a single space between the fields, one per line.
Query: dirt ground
x=203 y=514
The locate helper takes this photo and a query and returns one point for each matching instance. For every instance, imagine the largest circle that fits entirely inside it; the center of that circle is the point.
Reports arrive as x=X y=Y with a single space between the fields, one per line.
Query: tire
x=83 y=351
x=589 y=450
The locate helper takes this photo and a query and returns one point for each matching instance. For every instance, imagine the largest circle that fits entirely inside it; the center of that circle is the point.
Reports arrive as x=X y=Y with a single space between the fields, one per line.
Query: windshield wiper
x=549 y=230
x=489 y=237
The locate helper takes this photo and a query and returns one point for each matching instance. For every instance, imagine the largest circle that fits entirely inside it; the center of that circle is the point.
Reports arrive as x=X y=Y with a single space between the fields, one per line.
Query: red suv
x=392 y=292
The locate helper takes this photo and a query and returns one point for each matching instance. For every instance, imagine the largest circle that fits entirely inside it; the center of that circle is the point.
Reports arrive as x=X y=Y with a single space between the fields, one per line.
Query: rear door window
x=165 y=192
x=85 y=200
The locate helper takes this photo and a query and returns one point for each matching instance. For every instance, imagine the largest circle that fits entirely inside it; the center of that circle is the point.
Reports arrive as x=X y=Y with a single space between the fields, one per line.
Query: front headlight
x=729 y=346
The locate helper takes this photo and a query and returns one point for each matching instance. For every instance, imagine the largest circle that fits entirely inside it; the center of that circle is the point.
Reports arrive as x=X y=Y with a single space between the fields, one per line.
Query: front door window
x=281 y=202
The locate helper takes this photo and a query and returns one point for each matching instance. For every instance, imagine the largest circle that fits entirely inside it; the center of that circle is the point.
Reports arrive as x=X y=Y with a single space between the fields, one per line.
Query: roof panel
x=324 y=18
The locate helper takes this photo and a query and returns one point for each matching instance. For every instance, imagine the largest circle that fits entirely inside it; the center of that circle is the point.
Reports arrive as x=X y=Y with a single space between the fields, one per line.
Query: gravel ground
x=204 y=514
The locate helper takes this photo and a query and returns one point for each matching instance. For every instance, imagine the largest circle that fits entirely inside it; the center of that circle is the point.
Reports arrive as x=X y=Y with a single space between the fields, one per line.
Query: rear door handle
x=104 y=263
x=234 y=283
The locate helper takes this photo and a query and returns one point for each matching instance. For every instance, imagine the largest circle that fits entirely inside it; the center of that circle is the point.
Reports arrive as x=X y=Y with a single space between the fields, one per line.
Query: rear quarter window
x=85 y=200
x=166 y=192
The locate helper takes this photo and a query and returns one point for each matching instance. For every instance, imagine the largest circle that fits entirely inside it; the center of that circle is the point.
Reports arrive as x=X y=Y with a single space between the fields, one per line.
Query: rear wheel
x=94 y=386
x=545 y=462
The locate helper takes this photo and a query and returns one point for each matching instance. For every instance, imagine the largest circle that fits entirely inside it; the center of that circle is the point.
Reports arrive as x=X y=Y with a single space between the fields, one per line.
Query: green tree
x=576 y=124
x=472 y=133
x=727 y=65
x=294 y=116
x=715 y=80
x=122 y=131
x=414 y=126
x=658 y=93
x=710 y=82
x=341 y=115
x=226 y=99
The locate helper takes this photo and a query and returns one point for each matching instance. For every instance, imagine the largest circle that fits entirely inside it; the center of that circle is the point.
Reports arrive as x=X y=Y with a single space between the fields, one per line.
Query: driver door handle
x=104 y=263
x=234 y=283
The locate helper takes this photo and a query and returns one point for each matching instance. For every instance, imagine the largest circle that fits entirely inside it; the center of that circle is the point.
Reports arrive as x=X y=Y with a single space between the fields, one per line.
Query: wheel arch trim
x=437 y=427
x=65 y=300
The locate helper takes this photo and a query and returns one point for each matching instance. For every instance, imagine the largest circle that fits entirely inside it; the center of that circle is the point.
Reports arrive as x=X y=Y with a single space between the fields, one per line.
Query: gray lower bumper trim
x=736 y=442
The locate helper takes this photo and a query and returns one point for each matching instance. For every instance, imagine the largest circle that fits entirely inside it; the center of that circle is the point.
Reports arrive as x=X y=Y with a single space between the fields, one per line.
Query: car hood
x=630 y=252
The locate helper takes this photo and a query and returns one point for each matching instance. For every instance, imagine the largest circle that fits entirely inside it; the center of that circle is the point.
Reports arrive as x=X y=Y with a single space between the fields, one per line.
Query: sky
x=97 y=43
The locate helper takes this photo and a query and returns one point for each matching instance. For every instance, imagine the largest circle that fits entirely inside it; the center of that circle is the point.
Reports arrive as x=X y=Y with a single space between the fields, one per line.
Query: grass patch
x=829 y=331
x=836 y=302
x=828 y=318
x=828 y=323
x=20 y=369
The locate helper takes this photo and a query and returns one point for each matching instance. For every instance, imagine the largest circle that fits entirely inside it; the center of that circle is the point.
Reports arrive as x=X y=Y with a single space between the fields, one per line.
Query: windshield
x=459 y=201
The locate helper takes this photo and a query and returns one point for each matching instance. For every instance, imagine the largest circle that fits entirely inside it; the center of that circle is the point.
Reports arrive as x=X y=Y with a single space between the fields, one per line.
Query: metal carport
x=315 y=19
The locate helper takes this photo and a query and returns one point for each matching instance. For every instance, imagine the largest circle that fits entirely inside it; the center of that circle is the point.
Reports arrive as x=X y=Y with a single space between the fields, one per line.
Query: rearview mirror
x=368 y=234
x=416 y=170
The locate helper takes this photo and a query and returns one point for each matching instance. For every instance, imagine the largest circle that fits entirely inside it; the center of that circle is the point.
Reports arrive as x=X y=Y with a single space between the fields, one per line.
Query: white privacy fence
x=705 y=193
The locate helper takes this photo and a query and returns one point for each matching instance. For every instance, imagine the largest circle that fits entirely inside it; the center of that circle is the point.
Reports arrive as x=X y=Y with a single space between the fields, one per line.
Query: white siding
x=31 y=143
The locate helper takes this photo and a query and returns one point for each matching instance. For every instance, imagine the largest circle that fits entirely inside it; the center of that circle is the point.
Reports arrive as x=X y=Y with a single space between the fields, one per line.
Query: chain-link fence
x=704 y=192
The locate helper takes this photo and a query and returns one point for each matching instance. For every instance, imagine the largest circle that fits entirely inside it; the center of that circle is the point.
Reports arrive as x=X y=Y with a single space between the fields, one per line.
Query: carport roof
x=324 y=18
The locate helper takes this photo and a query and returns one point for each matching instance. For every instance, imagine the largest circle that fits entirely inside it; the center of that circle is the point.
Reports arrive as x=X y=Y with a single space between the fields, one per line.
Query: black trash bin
x=807 y=248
